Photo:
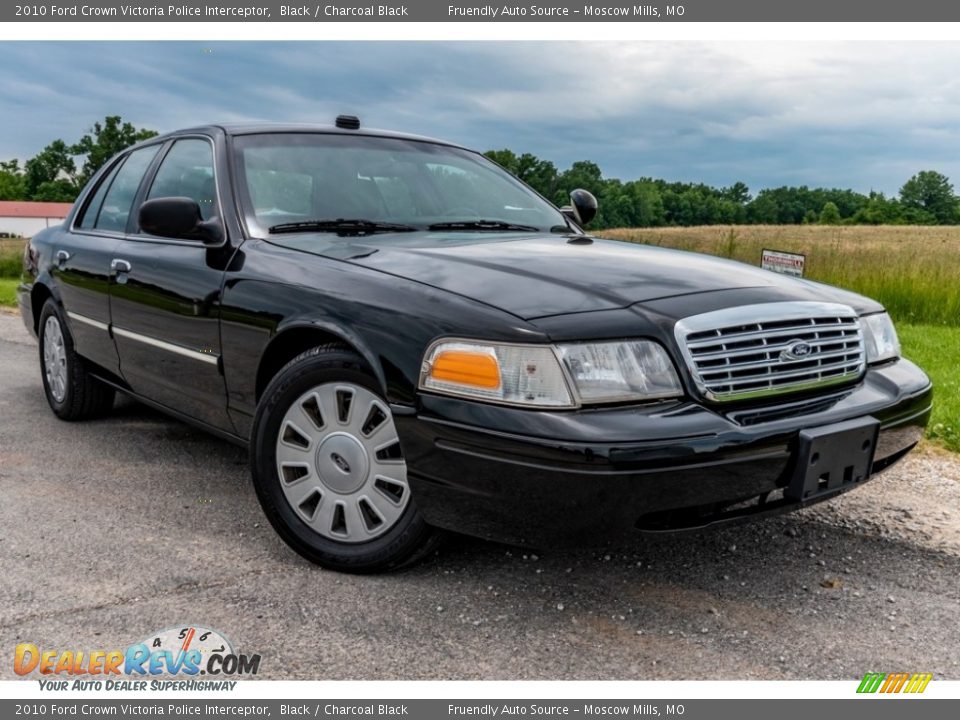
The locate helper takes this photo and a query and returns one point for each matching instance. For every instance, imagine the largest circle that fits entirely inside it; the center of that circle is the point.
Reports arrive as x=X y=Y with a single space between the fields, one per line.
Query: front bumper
x=585 y=477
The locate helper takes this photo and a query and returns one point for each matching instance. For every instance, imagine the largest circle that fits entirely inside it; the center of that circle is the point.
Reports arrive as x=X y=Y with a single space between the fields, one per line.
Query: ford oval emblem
x=797 y=350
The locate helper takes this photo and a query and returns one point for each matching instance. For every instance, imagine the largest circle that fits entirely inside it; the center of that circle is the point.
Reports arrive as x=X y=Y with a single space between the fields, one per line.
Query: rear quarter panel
x=36 y=272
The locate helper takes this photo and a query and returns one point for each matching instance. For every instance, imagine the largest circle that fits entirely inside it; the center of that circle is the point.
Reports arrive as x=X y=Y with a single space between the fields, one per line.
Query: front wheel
x=328 y=469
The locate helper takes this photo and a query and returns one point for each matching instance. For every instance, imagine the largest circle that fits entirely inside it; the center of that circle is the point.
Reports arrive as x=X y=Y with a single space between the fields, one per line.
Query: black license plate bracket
x=833 y=457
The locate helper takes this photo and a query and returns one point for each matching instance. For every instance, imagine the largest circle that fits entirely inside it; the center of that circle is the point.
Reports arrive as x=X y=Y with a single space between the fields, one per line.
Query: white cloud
x=849 y=114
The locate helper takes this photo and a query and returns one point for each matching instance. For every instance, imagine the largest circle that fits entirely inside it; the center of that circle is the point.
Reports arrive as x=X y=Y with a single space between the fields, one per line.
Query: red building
x=19 y=218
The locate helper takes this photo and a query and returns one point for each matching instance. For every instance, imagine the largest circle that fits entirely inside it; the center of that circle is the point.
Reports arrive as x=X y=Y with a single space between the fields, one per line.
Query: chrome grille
x=755 y=351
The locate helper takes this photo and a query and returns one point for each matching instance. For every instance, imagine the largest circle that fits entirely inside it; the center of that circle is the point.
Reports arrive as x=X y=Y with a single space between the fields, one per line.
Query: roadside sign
x=783 y=262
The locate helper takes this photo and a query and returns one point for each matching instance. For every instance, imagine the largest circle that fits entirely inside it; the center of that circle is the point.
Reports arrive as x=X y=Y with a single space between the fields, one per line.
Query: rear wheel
x=72 y=392
x=328 y=468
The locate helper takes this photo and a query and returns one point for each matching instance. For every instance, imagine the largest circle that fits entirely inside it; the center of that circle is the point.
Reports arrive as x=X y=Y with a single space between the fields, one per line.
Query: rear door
x=165 y=299
x=83 y=254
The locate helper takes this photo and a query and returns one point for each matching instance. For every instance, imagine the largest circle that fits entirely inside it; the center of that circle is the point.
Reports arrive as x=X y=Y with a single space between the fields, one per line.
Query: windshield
x=305 y=182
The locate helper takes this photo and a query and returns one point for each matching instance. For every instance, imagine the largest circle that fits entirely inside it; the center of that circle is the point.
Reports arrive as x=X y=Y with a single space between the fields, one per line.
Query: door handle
x=120 y=266
x=62 y=257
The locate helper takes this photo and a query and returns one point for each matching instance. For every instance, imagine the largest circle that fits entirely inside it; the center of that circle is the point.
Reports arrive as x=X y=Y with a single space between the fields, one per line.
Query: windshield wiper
x=483 y=226
x=342 y=226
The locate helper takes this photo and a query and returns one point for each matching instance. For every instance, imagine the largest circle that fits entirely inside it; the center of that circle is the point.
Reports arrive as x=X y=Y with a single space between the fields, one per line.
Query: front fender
x=341 y=333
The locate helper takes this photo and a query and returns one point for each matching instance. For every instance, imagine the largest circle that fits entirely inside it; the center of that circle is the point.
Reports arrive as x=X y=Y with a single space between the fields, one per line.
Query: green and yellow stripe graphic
x=894 y=682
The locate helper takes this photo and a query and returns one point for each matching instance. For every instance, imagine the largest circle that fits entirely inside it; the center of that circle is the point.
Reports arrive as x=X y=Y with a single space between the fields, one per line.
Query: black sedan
x=409 y=339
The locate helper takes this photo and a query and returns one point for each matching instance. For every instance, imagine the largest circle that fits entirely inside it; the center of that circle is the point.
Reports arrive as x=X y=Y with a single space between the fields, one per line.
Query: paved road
x=115 y=528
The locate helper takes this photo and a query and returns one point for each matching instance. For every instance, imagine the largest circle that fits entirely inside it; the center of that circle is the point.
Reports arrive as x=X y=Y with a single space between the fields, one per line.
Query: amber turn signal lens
x=466 y=368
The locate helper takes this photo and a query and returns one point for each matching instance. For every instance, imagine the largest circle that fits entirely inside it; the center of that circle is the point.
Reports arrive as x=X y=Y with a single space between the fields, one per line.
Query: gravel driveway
x=115 y=528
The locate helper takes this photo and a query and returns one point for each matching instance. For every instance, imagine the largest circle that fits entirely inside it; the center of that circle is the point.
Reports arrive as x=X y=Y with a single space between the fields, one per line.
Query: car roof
x=257 y=128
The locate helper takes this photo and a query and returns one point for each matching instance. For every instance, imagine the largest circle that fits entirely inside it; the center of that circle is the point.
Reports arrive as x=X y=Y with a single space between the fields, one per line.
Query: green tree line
x=925 y=199
x=59 y=171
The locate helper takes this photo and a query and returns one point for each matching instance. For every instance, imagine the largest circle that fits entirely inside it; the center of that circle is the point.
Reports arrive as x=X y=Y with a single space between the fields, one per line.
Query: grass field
x=11 y=258
x=913 y=271
x=937 y=350
x=8 y=288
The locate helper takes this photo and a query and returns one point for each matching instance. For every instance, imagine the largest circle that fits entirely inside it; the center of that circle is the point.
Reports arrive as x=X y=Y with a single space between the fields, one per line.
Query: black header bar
x=646 y=11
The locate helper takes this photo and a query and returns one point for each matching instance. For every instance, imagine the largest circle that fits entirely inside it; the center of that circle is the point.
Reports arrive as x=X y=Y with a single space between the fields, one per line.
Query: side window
x=119 y=198
x=90 y=212
x=187 y=171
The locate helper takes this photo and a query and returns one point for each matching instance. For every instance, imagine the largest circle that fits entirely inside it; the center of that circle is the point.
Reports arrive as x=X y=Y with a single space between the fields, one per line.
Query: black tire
x=83 y=396
x=406 y=542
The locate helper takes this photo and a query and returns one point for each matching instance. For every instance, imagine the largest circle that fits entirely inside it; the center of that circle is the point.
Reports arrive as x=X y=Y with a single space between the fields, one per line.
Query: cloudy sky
x=861 y=115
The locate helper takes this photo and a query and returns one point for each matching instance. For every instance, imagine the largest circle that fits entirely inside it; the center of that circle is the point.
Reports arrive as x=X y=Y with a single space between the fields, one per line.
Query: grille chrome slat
x=799 y=331
x=777 y=375
x=720 y=346
x=847 y=352
x=779 y=347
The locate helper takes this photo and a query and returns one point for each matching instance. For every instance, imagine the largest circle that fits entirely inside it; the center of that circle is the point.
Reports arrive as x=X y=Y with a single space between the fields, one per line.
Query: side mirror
x=583 y=207
x=180 y=218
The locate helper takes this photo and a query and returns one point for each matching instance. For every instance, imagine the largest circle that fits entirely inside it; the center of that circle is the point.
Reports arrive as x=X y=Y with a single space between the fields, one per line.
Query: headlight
x=511 y=374
x=532 y=375
x=620 y=371
x=880 y=338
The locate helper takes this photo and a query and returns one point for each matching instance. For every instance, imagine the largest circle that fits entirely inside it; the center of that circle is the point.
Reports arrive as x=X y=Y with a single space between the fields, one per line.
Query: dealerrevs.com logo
x=189 y=651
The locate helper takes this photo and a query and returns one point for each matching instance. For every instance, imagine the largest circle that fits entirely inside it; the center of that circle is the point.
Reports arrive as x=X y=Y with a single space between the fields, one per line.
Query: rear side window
x=187 y=171
x=115 y=209
x=92 y=210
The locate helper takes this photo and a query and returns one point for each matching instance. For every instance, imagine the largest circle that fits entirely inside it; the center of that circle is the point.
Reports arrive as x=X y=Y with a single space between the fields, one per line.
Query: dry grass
x=913 y=271
x=9 y=245
x=11 y=257
x=937 y=350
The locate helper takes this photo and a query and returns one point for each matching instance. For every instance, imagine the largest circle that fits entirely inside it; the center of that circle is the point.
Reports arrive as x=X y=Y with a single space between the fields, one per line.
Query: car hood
x=540 y=276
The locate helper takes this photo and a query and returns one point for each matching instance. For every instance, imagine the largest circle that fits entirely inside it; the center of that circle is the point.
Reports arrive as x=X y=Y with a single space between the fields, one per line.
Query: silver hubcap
x=54 y=359
x=339 y=463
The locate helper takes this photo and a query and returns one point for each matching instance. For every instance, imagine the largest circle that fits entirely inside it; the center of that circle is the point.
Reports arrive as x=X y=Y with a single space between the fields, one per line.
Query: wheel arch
x=297 y=337
x=39 y=294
